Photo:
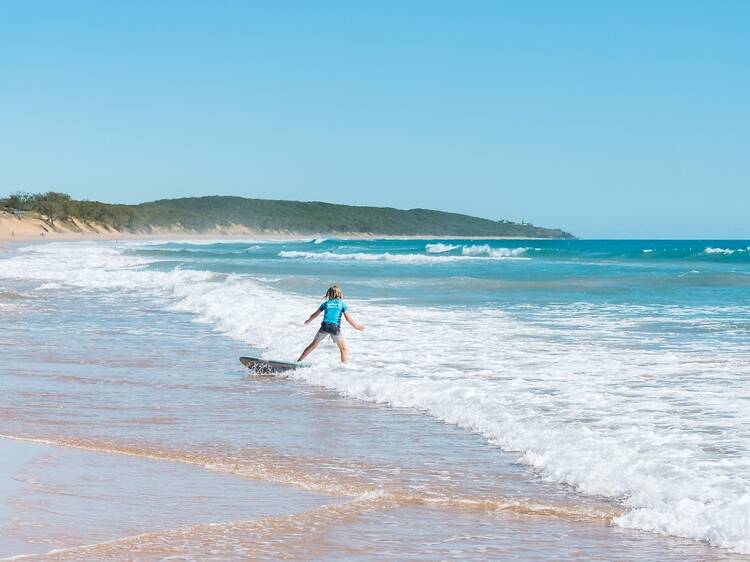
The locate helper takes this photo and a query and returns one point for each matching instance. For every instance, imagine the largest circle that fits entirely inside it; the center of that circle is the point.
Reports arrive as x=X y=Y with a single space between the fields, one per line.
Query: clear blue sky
x=621 y=119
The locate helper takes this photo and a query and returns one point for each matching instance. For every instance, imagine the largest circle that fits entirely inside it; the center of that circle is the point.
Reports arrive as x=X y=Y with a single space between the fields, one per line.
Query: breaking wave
x=440 y=248
x=487 y=250
x=497 y=253
x=726 y=251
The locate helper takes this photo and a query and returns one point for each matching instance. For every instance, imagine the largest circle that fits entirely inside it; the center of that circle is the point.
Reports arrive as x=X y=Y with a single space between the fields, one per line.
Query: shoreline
x=30 y=229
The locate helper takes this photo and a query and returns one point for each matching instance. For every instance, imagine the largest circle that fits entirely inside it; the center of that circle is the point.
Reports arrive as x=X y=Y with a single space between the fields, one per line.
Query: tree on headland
x=53 y=206
x=19 y=201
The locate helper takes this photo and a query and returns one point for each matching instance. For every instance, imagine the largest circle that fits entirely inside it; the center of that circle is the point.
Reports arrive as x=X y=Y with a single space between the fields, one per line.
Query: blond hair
x=334 y=292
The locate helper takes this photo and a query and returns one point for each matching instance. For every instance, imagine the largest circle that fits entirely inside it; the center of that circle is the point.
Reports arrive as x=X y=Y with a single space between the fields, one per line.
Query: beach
x=77 y=504
x=31 y=228
x=133 y=432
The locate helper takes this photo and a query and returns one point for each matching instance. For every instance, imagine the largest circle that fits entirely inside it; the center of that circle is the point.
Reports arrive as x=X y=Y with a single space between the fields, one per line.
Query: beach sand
x=33 y=229
x=57 y=497
x=16 y=456
x=66 y=503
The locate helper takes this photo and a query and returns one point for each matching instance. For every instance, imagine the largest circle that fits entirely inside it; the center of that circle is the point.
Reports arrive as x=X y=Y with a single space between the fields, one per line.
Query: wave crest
x=725 y=251
x=439 y=248
x=469 y=253
x=487 y=250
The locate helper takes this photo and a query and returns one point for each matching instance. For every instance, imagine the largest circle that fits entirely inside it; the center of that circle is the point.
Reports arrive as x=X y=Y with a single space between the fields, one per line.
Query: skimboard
x=266 y=367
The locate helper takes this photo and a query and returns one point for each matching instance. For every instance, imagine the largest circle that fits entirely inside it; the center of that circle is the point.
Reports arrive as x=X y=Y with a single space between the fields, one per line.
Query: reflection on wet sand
x=346 y=516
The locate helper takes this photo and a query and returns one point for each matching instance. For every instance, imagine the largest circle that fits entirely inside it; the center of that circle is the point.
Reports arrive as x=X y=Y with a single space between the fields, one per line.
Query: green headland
x=224 y=213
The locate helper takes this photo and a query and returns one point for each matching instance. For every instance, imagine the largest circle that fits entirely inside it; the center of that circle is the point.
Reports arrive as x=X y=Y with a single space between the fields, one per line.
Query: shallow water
x=584 y=385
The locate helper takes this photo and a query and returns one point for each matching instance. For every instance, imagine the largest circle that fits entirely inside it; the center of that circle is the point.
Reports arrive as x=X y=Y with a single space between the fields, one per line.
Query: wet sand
x=64 y=503
x=16 y=456
x=60 y=498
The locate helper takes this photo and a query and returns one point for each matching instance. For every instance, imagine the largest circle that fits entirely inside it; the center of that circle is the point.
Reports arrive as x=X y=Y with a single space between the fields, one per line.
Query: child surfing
x=333 y=309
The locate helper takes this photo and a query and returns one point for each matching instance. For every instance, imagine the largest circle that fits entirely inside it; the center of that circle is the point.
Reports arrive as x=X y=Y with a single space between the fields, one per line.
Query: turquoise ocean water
x=610 y=378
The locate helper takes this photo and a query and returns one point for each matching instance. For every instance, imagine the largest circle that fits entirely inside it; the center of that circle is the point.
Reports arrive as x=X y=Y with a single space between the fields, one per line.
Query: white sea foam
x=666 y=433
x=48 y=287
x=439 y=248
x=363 y=256
x=207 y=241
x=726 y=251
x=496 y=253
x=487 y=250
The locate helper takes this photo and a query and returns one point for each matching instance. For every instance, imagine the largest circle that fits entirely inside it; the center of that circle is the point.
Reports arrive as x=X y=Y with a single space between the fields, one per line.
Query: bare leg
x=309 y=349
x=343 y=350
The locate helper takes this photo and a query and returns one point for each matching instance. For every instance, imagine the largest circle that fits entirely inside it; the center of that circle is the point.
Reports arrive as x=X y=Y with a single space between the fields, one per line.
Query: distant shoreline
x=34 y=229
x=43 y=214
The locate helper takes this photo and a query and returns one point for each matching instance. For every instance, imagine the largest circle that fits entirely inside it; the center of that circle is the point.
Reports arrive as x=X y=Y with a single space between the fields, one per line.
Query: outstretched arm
x=313 y=316
x=356 y=325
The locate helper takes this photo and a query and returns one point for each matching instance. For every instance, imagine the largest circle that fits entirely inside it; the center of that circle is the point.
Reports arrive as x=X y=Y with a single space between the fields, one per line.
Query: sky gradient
x=607 y=119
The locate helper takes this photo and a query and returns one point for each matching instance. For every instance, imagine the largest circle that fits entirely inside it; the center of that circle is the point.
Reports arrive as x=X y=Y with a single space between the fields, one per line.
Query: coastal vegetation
x=203 y=214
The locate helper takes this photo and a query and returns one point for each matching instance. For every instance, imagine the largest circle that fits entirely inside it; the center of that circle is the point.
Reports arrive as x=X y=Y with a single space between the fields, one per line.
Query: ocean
x=530 y=398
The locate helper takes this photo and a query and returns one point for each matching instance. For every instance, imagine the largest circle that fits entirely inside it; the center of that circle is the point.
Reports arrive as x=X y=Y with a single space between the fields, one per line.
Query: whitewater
x=619 y=369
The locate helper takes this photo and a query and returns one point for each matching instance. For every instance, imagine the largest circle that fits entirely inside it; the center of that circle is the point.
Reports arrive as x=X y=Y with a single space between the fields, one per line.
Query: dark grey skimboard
x=266 y=367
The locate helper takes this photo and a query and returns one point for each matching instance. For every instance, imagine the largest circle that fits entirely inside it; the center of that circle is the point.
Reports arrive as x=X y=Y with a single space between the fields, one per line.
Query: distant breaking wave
x=440 y=248
x=487 y=250
x=726 y=251
x=477 y=250
x=489 y=253
x=361 y=256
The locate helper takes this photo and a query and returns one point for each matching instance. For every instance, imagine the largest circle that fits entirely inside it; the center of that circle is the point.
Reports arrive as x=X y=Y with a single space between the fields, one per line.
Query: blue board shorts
x=322 y=334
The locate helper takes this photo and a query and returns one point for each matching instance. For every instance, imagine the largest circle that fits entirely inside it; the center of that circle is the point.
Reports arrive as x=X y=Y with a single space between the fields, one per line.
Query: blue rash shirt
x=333 y=309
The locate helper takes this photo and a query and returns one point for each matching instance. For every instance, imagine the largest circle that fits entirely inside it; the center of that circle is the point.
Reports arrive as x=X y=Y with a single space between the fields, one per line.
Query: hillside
x=217 y=213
